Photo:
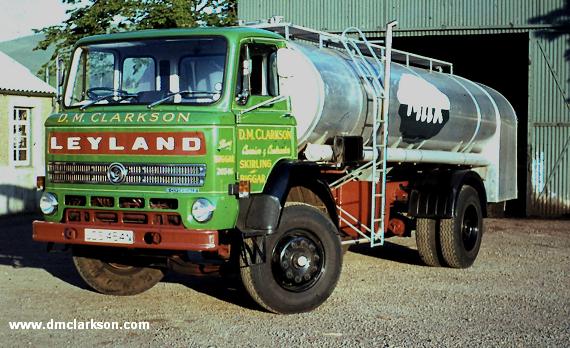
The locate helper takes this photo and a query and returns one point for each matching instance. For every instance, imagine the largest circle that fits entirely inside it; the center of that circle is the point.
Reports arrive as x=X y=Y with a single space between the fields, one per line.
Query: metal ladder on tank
x=375 y=170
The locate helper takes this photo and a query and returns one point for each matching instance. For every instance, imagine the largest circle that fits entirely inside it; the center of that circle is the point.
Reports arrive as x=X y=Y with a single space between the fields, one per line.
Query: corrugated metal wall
x=371 y=15
x=549 y=127
x=548 y=184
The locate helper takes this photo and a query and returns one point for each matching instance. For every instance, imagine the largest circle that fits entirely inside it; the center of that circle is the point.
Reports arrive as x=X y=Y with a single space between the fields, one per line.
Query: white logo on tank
x=422 y=99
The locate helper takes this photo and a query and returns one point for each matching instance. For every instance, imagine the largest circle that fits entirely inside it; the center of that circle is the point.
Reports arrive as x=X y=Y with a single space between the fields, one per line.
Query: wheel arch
x=268 y=205
x=470 y=178
x=288 y=175
x=435 y=194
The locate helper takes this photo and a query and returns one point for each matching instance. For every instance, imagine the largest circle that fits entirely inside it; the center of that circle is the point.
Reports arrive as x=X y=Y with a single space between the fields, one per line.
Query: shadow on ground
x=222 y=288
x=18 y=250
x=390 y=251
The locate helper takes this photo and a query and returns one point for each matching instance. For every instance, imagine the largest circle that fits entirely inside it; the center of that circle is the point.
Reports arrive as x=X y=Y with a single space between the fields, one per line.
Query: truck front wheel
x=114 y=278
x=461 y=235
x=302 y=266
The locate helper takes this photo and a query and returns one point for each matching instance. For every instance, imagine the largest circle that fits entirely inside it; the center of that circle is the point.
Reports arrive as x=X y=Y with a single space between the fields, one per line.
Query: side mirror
x=287 y=60
x=246 y=67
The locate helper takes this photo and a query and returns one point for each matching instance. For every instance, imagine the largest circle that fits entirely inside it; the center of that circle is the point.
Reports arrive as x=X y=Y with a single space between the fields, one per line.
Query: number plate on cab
x=109 y=236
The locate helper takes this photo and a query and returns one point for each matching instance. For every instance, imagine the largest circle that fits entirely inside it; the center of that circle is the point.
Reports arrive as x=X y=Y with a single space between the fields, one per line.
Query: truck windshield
x=146 y=71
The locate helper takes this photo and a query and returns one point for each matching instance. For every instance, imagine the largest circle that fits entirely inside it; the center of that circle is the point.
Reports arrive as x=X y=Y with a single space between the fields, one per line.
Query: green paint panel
x=264 y=137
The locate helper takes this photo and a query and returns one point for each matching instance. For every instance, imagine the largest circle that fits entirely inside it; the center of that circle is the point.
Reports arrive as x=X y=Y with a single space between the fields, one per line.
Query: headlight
x=48 y=203
x=202 y=210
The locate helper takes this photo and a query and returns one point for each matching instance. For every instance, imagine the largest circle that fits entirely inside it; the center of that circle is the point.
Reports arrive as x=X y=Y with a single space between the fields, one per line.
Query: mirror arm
x=246 y=82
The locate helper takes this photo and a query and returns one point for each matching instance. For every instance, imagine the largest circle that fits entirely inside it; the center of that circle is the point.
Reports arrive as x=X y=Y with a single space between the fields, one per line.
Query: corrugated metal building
x=519 y=47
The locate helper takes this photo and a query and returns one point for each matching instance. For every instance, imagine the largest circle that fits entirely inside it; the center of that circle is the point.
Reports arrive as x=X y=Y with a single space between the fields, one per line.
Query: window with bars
x=20 y=136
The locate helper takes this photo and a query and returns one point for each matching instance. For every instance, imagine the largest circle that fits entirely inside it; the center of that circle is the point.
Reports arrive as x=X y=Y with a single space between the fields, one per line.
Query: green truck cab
x=177 y=141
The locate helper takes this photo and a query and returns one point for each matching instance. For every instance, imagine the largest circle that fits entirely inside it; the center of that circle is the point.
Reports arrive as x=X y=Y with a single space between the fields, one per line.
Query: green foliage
x=109 y=16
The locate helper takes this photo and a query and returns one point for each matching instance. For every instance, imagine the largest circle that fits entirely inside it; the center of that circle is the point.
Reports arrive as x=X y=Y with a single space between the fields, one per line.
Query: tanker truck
x=264 y=151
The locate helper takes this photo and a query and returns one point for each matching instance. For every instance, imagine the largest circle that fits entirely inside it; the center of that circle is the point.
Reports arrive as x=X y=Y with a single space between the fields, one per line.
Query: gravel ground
x=516 y=294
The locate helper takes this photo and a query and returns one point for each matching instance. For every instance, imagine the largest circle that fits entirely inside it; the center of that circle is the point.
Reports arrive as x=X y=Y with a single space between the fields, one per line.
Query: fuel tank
x=428 y=110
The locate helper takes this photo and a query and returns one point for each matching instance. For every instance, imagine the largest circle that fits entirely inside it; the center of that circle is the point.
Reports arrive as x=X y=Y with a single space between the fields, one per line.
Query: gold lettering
x=184 y=117
x=129 y=117
x=62 y=118
x=224 y=171
x=253 y=178
x=115 y=118
x=142 y=114
x=94 y=118
x=141 y=118
x=265 y=134
x=246 y=150
x=224 y=159
x=78 y=117
x=245 y=134
x=168 y=117
x=154 y=117
x=255 y=164
x=276 y=150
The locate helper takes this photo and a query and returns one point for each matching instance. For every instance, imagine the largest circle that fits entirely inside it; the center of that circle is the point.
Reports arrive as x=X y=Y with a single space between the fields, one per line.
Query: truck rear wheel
x=427 y=241
x=303 y=263
x=461 y=235
x=114 y=278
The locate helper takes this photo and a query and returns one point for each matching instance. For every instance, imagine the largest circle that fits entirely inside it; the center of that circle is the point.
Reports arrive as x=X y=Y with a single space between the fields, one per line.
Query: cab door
x=265 y=127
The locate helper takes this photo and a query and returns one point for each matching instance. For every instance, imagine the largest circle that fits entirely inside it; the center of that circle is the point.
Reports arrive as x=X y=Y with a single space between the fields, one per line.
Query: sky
x=19 y=17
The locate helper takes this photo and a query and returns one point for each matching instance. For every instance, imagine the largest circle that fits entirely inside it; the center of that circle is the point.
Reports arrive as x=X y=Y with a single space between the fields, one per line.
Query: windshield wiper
x=105 y=97
x=172 y=94
x=264 y=103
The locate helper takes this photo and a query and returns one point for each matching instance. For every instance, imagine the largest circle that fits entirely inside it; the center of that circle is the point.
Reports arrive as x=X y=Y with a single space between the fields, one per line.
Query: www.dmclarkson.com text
x=78 y=325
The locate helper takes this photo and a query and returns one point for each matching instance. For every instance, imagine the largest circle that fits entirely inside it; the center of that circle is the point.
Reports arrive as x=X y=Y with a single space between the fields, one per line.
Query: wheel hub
x=302 y=261
x=470 y=228
x=297 y=262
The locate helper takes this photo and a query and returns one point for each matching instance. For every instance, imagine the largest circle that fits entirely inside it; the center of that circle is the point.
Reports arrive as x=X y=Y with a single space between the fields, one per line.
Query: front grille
x=137 y=174
x=89 y=216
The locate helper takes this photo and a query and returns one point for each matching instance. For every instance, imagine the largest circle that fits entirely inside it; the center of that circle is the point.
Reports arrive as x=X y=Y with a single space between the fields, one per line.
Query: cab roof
x=231 y=33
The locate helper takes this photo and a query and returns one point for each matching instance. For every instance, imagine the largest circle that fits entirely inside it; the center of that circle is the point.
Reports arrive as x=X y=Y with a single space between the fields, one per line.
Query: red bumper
x=144 y=237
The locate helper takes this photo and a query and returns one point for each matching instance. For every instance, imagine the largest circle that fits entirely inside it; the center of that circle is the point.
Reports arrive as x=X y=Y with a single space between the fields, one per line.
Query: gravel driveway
x=516 y=294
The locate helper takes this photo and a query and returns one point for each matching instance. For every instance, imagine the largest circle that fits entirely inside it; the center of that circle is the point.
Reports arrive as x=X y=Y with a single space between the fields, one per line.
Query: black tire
x=304 y=261
x=113 y=278
x=461 y=235
x=427 y=241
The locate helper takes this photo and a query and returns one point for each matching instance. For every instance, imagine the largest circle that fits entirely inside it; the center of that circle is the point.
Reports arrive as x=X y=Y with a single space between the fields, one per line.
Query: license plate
x=109 y=236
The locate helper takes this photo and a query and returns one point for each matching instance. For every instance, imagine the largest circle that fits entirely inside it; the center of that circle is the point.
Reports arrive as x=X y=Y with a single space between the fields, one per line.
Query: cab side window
x=263 y=75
